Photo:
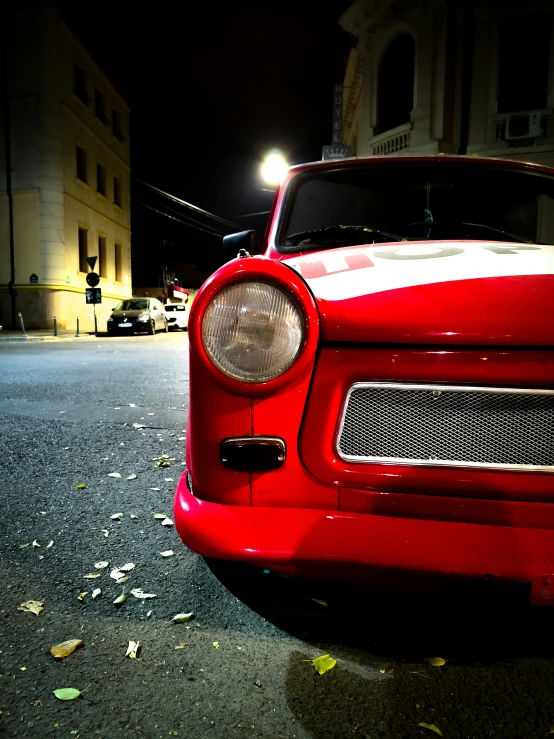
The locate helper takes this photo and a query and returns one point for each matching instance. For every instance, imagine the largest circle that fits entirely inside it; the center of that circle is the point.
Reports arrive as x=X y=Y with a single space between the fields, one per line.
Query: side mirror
x=233 y=243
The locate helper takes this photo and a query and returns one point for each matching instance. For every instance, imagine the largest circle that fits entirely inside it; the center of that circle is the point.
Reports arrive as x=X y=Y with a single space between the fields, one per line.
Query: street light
x=273 y=167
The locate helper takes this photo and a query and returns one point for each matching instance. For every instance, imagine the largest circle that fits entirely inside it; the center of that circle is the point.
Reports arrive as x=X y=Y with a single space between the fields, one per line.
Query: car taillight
x=252 y=331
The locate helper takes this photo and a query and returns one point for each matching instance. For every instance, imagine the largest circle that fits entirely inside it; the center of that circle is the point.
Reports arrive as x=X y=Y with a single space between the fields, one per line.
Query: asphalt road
x=241 y=667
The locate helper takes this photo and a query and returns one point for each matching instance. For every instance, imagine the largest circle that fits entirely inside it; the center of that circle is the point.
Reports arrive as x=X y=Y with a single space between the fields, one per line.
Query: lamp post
x=273 y=167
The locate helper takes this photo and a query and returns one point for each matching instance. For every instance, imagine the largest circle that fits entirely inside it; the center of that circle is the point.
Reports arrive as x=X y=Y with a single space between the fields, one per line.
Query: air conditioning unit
x=523 y=126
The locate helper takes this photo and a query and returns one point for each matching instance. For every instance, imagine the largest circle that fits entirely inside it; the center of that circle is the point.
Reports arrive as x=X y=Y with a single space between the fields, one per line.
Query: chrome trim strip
x=437 y=463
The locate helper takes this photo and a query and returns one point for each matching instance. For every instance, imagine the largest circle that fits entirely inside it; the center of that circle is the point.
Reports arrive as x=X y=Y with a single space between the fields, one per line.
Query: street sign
x=94 y=295
x=92 y=262
x=92 y=278
x=33 y=279
x=336 y=151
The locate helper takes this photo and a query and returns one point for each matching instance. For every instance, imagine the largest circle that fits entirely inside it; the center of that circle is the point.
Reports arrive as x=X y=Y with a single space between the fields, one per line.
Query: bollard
x=55 y=326
x=21 y=324
x=77 y=334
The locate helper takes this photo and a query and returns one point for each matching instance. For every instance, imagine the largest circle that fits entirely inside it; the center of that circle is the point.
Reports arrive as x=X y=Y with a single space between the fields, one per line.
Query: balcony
x=391 y=142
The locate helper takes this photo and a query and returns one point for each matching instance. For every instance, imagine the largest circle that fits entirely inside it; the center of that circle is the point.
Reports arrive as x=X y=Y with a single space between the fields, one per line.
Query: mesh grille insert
x=456 y=426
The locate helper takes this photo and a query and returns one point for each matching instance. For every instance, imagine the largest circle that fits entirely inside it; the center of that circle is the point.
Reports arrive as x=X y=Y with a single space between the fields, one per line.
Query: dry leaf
x=32 y=606
x=67 y=694
x=117 y=516
x=139 y=593
x=182 y=618
x=133 y=515
x=160 y=516
x=156 y=489
x=323 y=663
x=24 y=546
x=168 y=553
x=132 y=649
x=81 y=596
x=167 y=522
x=122 y=580
x=120 y=600
x=50 y=544
x=81 y=486
x=92 y=575
x=132 y=477
x=216 y=644
x=116 y=574
x=431 y=727
x=181 y=645
x=435 y=661
x=101 y=565
x=96 y=593
x=127 y=568
x=65 y=648
x=105 y=532
x=114 y=474
x=149 y=613
x=35 y=543
x=139 y=426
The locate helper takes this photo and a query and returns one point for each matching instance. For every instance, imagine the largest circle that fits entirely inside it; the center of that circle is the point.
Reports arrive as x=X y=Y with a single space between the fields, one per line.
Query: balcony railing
x=391 y=142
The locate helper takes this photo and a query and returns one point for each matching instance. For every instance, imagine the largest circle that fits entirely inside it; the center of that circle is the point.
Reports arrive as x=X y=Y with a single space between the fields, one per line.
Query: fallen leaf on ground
x=323 y=663
x=65 y=648
x=181 y=645
x=139 y=593
x=156 y=489
x=133 y=515
x=24 y=546
x=149 y=613
x=139 y=426
x=81 y=596
x=132 y=649
x=182 y=618
x=117 y=574
x=35 y=543
x=160 y=516
x=101 y=565
x=32 y=606
x=168 y=479
x=96 y=593
x=80 y=486
x=431 y=727
x=435 y=661
x=117 y=516
x=122 y=580
x=168 y=553
x=120 y=600
x=92 y=575
x=23 y=669
x=132 y=405
x=216 y=644
x=50 y=544
x=105 y=532
x=321 y=602
x=114 y=474
x=127 y=568
x=67 y=694
x=167 y=522
x=162 y=463
x=132 y=477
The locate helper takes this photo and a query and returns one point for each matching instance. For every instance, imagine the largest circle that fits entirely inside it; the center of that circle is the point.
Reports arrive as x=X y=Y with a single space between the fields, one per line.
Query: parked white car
x=177 y=315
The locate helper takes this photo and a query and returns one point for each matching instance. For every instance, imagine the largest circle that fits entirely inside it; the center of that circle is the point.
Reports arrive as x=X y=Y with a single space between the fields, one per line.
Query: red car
x=374 y=392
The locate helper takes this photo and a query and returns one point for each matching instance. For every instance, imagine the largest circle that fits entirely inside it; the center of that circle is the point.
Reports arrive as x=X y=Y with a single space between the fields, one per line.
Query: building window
x=101 y=179
x=81 y=155
x=395 y=95
x=523 y=62
x=83 y=250
x=102 y=267
x=116 y=126
x=118 y=263
x=100 y=107
x=80 y=84
x=117 y=191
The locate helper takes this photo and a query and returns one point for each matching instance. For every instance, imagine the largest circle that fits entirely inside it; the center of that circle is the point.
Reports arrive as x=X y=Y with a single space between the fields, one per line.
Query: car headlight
x=252 y=331
x=143 y=317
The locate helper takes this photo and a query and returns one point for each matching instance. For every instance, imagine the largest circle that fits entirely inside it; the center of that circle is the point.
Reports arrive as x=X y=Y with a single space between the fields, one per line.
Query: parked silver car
x=138 y=315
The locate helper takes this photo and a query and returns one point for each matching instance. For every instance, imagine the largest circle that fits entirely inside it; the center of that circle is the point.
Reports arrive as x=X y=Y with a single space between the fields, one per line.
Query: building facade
x=469 y=77
x=66 y=146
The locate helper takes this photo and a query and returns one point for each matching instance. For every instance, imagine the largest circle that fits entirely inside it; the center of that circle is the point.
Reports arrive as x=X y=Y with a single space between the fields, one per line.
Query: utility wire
x=179 y=220
x=191 y=220
x=188 y=205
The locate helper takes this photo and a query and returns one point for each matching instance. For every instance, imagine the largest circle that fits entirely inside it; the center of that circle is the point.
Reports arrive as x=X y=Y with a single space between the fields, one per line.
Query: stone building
x=469 y=77
x=67 y=148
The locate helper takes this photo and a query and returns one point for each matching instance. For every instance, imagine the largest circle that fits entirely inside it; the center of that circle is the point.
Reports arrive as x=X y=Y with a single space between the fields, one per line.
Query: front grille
x=450 y=426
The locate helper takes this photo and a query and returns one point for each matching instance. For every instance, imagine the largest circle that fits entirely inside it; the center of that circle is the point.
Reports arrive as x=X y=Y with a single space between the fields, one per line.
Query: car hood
x=128 y=313
x=480 y=293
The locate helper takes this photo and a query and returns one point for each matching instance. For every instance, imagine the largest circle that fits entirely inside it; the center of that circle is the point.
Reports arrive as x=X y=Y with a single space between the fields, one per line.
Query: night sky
x=212 y=87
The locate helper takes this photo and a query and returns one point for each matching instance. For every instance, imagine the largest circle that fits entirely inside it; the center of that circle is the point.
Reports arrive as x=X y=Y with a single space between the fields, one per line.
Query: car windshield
x=132 y=305
x=416 y=201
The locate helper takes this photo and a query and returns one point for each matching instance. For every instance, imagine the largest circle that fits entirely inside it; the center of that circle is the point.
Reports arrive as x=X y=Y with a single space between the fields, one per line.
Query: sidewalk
x=44 y=335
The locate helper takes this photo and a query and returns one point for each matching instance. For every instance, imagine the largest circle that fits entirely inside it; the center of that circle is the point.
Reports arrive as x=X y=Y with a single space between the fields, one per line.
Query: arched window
x=395 y=94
